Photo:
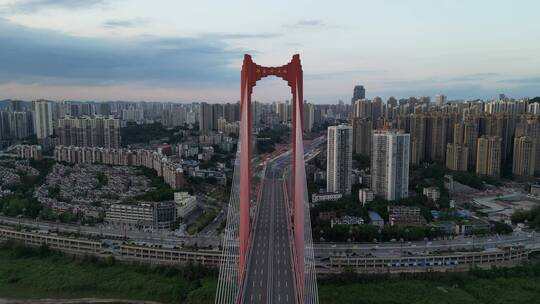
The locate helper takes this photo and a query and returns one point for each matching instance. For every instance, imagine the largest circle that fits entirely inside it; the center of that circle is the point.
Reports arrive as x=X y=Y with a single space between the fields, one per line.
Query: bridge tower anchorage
x=292 y=74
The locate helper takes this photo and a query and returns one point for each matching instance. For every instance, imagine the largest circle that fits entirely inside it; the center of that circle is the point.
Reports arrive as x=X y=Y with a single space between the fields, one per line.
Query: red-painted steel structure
x=292 y=73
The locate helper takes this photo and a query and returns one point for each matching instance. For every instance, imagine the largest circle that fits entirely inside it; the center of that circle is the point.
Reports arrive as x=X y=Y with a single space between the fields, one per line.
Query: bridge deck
x=270 y=272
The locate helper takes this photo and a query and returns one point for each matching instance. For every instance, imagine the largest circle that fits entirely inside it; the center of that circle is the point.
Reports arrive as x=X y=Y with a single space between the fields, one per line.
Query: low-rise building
x=405 y=216
x=327 y=215
x=160 y=215
x=446 y=227
x=365 y=196
x=220 y=177
x=210 y=139
x=185 y=203
x=173 y=175
x=347 y=220
x=319 y=176
x=432 y=193
x=171 y=172
x=535 y=190
x=29 y=152
x=449 y=182
x=188 y=150
x=376 y=219
x=326 y=196
x=472 y=227
x=365 y=179
x=165 y=150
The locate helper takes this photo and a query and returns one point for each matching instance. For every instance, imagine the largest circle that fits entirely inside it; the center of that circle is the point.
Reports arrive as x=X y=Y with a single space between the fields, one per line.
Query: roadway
x=168 y=238
x=325 y=250
x=269 y=273
x=321 y=250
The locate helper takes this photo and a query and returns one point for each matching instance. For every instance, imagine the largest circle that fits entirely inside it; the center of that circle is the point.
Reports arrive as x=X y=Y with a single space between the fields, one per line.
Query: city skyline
x=146 y=155
x=118 y=50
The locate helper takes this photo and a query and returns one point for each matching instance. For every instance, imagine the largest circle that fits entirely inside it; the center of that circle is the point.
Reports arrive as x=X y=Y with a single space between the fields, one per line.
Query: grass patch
x=202 y=221
x=161 y=191
x=518 y=285
x=39 y=273
x=34 y=273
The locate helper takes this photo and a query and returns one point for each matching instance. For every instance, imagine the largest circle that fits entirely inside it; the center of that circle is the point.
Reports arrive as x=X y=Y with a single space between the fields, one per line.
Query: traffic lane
x=257 y=276
x=433 y=244
x=256 y=261
x=105 y=232
x=284 y=281
x=275 y=285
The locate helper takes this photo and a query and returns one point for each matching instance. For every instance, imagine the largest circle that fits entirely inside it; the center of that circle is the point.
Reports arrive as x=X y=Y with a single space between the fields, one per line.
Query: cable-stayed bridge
x=267 y=245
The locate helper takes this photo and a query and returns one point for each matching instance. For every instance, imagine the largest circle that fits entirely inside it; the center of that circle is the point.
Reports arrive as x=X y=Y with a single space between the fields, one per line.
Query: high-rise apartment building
x=173 y=115
x=358 y=93
x=391 y=106
x=418 y=124
x=217 y=113
x=16 y=106
x=134 y=113
x=362 y=108
x=529 y=125
x=390 y=164
x=89 y=132
x=534 y=108
x=457 y=157
x=501 y=125
x=5 y=128
x=436 y=137
x=111 y=133
x=104 y=109
x=440 y=99
x=339 y=159
x=465 y=134
x=205 y=117
x=21 y=124
x=43 y=119
x=308 y=120
x=17 y=125
x=362 y=128
x=282 y=111
x=424 y=100
x=524 y=156
x=376 y=108
x=470 y=138
x=231 y=112
x=488 y=160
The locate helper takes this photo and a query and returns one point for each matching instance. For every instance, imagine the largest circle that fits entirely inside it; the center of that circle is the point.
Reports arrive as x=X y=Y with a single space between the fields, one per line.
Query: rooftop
x=374 y=216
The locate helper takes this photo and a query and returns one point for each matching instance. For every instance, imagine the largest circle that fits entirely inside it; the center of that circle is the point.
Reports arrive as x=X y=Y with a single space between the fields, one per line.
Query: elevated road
x=324 y=250
x=166 y=238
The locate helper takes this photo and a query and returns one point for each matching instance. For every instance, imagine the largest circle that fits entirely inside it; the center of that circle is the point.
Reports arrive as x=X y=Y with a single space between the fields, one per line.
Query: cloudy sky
x=181 y=50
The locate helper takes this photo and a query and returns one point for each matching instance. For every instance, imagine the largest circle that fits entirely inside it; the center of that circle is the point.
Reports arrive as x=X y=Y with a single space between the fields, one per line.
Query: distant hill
x=536 y=99
x=4 y=104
